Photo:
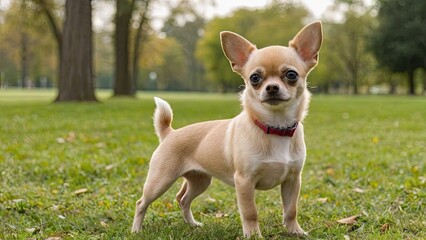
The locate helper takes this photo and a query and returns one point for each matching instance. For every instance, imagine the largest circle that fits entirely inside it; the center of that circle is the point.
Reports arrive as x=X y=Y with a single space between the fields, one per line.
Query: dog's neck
x=284 y=117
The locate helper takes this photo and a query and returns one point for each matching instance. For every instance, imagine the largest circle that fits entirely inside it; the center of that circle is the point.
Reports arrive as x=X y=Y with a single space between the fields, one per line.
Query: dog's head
x=274 y=76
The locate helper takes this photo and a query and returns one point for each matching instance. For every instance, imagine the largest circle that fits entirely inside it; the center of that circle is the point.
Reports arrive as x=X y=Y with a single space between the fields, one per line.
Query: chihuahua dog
x=261 y=148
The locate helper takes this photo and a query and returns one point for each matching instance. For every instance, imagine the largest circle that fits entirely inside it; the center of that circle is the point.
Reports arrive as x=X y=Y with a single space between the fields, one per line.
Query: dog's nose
x=272 y=89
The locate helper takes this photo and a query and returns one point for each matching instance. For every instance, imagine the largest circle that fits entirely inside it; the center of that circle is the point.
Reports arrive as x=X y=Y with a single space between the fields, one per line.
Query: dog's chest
x=281 y=163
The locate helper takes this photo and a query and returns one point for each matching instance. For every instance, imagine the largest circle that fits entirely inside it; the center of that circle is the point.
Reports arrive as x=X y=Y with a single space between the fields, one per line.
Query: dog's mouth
x=275 y=101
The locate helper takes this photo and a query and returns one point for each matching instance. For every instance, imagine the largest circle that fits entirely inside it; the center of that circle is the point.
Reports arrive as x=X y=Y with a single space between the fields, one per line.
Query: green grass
x=366 y=157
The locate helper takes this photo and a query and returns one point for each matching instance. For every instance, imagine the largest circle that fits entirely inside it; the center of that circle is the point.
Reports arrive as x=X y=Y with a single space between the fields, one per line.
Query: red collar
x=285 y=132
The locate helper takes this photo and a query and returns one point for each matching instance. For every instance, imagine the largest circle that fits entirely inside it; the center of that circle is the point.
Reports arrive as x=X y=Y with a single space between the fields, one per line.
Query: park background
x=74 y=170
x=370 y=47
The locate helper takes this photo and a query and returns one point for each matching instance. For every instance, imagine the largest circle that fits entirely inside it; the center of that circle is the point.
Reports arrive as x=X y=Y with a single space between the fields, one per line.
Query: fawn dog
x=260 y=148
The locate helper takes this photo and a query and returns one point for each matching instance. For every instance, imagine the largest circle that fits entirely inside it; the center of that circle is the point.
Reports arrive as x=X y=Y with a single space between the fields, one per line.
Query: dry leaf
x=71 y=136
x=104 y=224
x=210 y=199
x=30 y=230
x=330 y=171
x=359 y=190
x=109 y=167
x=349 y=220
x=220 y=215
x=322 y=200
x=384 y=228
x=80 y=191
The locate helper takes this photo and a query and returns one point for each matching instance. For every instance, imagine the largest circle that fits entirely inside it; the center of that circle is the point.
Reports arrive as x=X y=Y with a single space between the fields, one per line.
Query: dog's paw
x=195 y=224
x=294 y=228
x=251 y=231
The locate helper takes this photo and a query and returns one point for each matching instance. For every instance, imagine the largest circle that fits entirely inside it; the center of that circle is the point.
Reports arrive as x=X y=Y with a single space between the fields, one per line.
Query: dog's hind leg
x=156 y=184
x=195 y=183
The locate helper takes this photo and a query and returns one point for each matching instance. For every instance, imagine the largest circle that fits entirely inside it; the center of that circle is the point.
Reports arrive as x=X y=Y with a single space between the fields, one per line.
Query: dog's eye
x=291 y=75
x=255 y=78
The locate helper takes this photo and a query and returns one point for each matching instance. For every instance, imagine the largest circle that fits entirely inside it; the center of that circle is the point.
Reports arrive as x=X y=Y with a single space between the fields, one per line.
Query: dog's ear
x=308 y=43
x=237 y=49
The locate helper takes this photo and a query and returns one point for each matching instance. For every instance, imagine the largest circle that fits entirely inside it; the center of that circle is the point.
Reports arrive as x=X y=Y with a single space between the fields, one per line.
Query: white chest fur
x=280 y=164
x=269 y=160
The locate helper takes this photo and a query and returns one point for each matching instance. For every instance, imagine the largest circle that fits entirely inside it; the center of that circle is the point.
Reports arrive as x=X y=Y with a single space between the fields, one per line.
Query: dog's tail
x=163 y=117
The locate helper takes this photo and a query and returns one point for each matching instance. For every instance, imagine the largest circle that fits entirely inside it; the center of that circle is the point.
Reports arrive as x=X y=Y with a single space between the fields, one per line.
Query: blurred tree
x=399 y=42
x=123 y=85
x=163 y=65
x=274 y=25
x=185 y=24
x=76 y=75
x=75 y=49
x=348 y=46
x=22 y=29
x=48 y=7
x=140 y=37
x=125 y=71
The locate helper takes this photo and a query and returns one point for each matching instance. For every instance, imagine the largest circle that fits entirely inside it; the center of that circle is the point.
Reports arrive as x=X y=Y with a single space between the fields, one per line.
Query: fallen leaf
x=32 y=230
x=109 y=167
x=322 y=200
x=330 y=171
x=80 y=191
x=359 y=190
x=71 y=137
x=384 y=228
x=104 y=224
x=349 y=220
x=220 y=215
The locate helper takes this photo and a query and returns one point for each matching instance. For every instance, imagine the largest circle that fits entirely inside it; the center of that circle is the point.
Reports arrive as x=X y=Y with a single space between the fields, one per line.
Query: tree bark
x=24 y=44
x=140 y=37
x=123 y=83
x=76 y=78
x=411 y=85
x=24 y=59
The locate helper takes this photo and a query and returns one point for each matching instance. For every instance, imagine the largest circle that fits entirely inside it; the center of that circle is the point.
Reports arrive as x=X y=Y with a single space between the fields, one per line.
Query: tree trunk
x=424 y=82
x=24 y=44
x=76 y=79
x=140 y=37
x=411 y=85
x=24 y=59
x=123 y=83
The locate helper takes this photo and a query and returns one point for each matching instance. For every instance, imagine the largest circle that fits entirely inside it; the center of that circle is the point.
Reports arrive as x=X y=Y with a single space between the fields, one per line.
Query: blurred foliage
x=365 y=48
x=399 y=43
x=274 y=25
x=23 y=26
x=163 y=65
x=345 y=62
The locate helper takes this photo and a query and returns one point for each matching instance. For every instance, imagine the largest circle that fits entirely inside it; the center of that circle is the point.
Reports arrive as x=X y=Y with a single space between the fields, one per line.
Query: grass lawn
x=74 y=171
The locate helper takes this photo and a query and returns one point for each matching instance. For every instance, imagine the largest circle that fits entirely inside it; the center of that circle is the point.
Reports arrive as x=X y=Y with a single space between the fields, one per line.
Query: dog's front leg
x=290 y=194
x=246 y=203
